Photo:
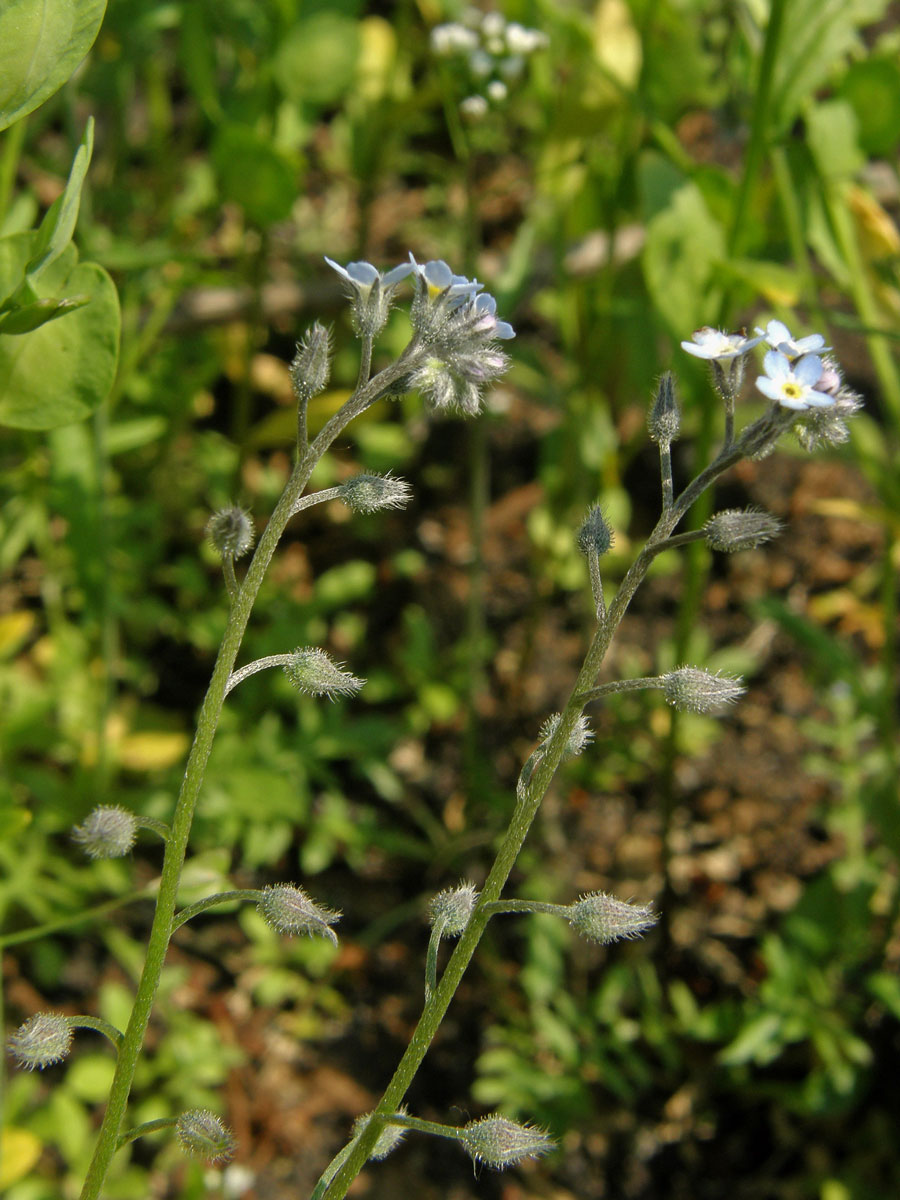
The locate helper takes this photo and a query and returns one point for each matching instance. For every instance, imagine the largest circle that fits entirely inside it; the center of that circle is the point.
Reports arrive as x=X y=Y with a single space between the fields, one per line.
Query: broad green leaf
x=684 y=247
x=59 y=221
x=872 y=87
x=316 y=62
x=254 y=174
x=817 y=35
x=32 y=316
x=61 y=372
x=41 y=44
x=833 y=139
x=15 y=251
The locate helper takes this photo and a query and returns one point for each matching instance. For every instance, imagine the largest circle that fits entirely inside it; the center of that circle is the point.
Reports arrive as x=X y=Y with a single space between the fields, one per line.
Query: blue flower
x=371 y=293
x=778 y=336
x=716 y=345
x=793 y=385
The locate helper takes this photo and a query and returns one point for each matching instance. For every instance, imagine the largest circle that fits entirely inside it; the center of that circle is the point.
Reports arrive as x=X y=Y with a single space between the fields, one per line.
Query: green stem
x=529 y=801
x=192 y=910
x=9 y=162
x=176 y=847
x=37 y=932
x=101 y=1026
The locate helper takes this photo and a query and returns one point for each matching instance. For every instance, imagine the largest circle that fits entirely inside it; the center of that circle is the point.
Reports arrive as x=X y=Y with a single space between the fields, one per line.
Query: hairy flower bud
x=312 y=363
x=740 y=529
x=290 y=910
x=389 y=1139
x=594 y=535
x=499 y=1142
x=604 y=919
x=314 y=673
x=43 y=1039
x=691 y=689
x=579 y=737
x=203 y=1134
x=452 y=908
x=230 y=531
x=369 y=493
x=664 y=420
x=107 y=832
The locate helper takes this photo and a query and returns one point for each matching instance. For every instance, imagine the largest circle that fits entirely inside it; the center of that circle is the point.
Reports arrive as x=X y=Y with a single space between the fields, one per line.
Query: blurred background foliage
x=654 y=166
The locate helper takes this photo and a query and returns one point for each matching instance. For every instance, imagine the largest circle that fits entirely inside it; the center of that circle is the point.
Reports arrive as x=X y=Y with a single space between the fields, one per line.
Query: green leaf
x=60 y=373
x=15 y=251
x=58 y=224
x=684 y=247
x=872 y=88
x=41 y=44
x=817 y=35
x=253 y=174
x=316 y=62
x=32 y=316
x=833 y=139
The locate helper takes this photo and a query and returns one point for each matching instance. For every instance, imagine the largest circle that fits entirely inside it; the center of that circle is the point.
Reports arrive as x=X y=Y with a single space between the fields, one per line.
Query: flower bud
x=368 y=493
x=314 y=673
x=290 y=910
x=312 y=363
x=201 y=1133
x=499 y=1142
x=690 y=689
x=230 y=531
x=580 y=736
x=452 y=908
x=389 y=1139
x=107 y=832
x=594 y=536
x=604 y=919
x=740 y=529
x=44 y=1039
x=664 y=420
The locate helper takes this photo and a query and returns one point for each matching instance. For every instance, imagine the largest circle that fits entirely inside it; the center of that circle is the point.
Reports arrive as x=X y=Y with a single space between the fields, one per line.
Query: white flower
x=473 y=107
x=522 y=40
x=778 y=336
x=453 y=38
x=716 y=344
x=793 y=385
x=497 y=91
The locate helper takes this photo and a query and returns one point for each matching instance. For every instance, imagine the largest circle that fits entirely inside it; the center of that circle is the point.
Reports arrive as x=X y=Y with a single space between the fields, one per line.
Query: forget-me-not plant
x=452 y=355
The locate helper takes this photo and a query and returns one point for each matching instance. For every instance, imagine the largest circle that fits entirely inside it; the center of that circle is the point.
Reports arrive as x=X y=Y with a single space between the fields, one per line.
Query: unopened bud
x=389 y=1139
x=580 y=735
x=230 y=531
x=290 y=910
x=312 y=363
x=107 y=832
x=604 y=919
x=452 y=908
x=664 y=420
x=499 y=1142
x=368 y=493
x=594 y=536
x=202 y=1134
x=41 y=1041
x=740 y=529
x=691 y=689
x=315 y=673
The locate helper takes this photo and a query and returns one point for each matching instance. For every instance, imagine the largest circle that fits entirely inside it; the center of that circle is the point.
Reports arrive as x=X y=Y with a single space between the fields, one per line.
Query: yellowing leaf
x=19 y=1151
x=14 y=628
x=617 y=44
x=153 y=750
x=877 y=231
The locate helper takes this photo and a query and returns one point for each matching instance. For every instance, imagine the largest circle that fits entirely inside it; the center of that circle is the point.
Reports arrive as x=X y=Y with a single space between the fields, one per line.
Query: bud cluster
x=595 y=535
x=451 y=909
x=500 y=1143
x=604 y=919
x=203 y=1134
x=44 y=1039
x=107 y=832
x=736 y=529
x=389 y=1139
x=311 y=367
x=315 y=673
x=230 y=532
x=691 y=689
x=664 y=420
x=290 y=910
x=369 y=493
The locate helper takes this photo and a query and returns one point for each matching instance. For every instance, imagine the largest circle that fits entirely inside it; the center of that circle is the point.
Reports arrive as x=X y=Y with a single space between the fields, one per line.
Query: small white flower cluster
x=796 y=377
x=493 y=52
